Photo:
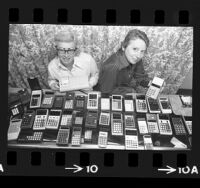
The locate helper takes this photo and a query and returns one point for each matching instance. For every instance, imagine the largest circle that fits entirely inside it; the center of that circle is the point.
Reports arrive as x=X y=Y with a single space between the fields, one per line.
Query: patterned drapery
x=31 y=48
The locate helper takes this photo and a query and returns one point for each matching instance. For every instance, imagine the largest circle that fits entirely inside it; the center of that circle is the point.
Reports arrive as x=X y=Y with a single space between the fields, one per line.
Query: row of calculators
x=73 y=114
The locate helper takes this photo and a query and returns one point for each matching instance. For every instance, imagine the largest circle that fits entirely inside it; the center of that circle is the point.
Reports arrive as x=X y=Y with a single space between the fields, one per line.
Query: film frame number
x=92 y=169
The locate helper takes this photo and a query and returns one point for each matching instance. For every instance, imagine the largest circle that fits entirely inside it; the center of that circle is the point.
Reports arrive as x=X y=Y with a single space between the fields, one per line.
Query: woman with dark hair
x=123 y=72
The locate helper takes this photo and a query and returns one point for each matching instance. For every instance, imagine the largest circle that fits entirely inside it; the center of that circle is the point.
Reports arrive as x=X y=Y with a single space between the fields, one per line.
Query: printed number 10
x=92 y=169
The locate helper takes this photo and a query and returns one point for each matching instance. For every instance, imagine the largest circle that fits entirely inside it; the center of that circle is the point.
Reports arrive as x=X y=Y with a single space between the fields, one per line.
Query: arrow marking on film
x=76 y=168
x=169 y=169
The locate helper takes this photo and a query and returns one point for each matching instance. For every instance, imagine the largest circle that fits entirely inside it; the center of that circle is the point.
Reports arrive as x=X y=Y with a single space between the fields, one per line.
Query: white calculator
x=164 y=124
x=128 y=103
x=88 y=135
x=36 y=97
x=117 y=124
x=76 y=136
x=53 y=119
x=40 y=119
x=155 y=87
x=104 y=118
x=152 y=123
x=14 y=129
x=131 y=138
x=66 y=119
x=103 y=139
x=141 y=104
x=148 y=144
x=92 y=100
x=142 y=125
x=105 y=103
x=116 y=102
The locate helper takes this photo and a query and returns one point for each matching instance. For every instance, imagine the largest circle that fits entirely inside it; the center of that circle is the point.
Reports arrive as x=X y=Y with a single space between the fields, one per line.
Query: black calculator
x=129 y=121
x=63 y=136
x=91 y=119
x=58 y=102
x=28 y=119
x=178 y=125
x=69 y=101
x=31 y=137
x=80 y=102
x=78 y=119
x=153 y=105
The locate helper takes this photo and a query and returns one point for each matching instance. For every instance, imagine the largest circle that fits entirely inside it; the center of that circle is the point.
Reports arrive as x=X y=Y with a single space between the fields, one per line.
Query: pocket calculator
x=88 y=135
x=36 y=97
x=116 y=102
x=152 y=123
x=48 y=99
x=69 y=101
x=14 y=129
x=31 y=137
x=178 y=125
x=129 y=121
x=131 y=138
x=128 y=103
x=141 y=105
x=153 y=105
x=66 y=119
x=40 y=119
x=63 y=136
x=165 y=105
x=155 y=87
x=188 y=123
x=102 y=139
x=148 y=144
x=53 y=119
x=164 y=124
x=80 y=102
x=91 y=119
x=92 y=101
x=142 y=125
x=105 y=103
x=78 y=120
x=58 y=102
x=17 y=109
x=117 y=124
x=28 y=119
x=76 y=136
x=104 y=118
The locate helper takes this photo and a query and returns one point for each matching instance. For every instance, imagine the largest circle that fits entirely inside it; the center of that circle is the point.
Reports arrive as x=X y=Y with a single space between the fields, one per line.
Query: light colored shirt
x=84 y=64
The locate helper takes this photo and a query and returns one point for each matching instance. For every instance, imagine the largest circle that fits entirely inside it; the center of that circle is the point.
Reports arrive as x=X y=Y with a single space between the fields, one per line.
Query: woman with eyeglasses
x=70 y=62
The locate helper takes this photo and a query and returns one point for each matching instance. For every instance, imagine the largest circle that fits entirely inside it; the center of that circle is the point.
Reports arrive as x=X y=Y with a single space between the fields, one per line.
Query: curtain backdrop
x=31 y=48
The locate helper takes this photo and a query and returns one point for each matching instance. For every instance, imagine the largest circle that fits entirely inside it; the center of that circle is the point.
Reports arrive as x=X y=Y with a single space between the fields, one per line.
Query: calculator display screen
x=141 y=97
x=116 y=116
x=36 y=95
x=59 y=99
x=131 y=132
x=117 y=97
x=155 y=85
x=41 y=112
x=162 y=116
x=54 y=113
x=92 y=96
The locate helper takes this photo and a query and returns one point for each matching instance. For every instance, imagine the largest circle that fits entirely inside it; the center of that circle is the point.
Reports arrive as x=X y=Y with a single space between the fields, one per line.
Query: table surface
x=177 y=108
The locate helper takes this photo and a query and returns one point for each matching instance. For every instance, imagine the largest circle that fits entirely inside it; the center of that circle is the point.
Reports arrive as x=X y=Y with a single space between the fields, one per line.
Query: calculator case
x=117 y=99
x=45 y=102
x=93 y=101
x=91 y=119
x=128 y=103
x=153 y=105
x=166 y=109
x=141 y=99
x=79 y=98
x=28 y=119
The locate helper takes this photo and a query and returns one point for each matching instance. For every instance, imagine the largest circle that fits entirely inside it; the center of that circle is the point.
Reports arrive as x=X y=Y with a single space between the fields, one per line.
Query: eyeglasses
x=63 y=51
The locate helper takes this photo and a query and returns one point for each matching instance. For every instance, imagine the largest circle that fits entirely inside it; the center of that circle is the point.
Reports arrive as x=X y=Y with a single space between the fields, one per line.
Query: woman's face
x=66 y=52
x=135 y=50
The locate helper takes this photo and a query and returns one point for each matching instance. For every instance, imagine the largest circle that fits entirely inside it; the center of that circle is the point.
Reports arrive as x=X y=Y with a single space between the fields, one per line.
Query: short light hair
x=65 y=36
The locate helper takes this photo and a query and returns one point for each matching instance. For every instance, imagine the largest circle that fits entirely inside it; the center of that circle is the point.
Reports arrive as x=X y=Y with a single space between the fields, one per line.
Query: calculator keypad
x=79 y=120
x=76 y=138
x=116 y=105
x=39 y=123
x=34 y=102
x=80 y=103
x=178 y=126
x=36 y=137
x=69 y=104
x=153 y=127
x=104 y=119
x=47 y=100
x=117 y=127
x=131 y=142
x=92 y=103
x=66 y=120
x=53 y=122
x=165 y=127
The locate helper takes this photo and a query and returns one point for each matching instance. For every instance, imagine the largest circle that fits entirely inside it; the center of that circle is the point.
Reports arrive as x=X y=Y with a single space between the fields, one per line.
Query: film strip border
x=102 y=162
x=110 y=16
